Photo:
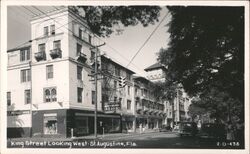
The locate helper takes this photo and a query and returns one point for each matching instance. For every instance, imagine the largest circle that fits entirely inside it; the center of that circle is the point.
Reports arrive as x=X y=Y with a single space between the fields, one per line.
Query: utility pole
x=96 y=87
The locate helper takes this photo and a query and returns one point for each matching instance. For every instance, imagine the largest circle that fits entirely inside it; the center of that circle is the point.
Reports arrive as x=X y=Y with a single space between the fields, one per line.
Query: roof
x=155 y=66
x=111 y=60
x=24 y=46
x=140 y=78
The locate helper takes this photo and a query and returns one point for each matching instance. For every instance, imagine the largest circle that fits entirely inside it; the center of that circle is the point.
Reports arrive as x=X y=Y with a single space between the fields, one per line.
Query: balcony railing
x=40 y=56
x=56 y=53
x=139 y=107
x=81 y=57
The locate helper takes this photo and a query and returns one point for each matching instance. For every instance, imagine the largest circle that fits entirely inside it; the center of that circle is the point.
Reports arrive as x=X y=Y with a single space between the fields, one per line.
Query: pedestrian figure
x=140 y=127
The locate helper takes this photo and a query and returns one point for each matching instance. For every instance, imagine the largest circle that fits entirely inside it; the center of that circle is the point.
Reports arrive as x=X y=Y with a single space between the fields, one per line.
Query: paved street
x=131 y=140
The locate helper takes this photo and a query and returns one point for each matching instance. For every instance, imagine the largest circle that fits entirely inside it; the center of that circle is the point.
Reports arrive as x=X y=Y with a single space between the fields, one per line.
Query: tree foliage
x=206 y=49
x=206 y=56
x=103 y=19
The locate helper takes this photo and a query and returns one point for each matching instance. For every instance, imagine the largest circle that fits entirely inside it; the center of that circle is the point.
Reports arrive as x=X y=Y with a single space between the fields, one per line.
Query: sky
x=119 y=47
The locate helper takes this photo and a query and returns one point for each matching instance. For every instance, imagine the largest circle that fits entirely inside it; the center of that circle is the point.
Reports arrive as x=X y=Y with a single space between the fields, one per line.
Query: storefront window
x=50 y=124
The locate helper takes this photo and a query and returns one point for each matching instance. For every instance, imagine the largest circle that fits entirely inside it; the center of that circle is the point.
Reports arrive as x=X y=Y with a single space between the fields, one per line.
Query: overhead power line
x=147 y=39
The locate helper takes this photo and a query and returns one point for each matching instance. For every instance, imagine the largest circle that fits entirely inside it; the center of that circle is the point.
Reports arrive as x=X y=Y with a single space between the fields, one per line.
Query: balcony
x=81 y=57
x=56 y=53
x=138 y=107
x=143 y=97
x=40 y=56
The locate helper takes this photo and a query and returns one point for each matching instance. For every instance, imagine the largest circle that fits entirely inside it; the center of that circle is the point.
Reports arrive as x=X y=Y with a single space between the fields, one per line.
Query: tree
x=103 y=19
x=206 y=49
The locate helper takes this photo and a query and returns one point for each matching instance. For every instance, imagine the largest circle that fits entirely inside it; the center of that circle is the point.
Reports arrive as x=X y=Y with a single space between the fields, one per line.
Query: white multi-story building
x=51 y=90
x=49 y=86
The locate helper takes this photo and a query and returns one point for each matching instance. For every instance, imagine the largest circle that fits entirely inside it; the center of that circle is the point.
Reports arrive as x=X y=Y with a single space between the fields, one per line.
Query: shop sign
x=112 y=106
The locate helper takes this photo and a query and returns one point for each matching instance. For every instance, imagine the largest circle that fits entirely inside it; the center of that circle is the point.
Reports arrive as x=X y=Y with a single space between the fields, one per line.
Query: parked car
x=187 y=129
x=212 y=131
x=165 y=128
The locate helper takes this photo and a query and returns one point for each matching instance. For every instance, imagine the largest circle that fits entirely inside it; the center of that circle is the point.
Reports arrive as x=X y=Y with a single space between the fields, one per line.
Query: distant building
x=150 y=113
x=176 y=109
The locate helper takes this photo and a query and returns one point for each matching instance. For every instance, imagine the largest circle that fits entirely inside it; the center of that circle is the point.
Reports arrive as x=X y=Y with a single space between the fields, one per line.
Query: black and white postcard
x=125 y=76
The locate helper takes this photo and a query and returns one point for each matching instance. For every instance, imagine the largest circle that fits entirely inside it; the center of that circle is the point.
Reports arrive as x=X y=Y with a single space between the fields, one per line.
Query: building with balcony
x=118 y=99
x=156 y=73
x=49 y=88
x=176 y=109
x=149 y=112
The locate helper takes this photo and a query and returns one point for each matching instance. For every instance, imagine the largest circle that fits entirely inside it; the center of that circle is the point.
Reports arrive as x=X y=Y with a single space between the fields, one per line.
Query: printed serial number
x=233 y=144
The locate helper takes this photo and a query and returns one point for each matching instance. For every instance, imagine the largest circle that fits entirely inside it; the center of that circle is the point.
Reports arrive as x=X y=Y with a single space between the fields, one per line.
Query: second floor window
x=46 y=31
x=41 y=47
x=79 y=95
x=25 y=55
x=79 y=72
x=57 y=44
x=50 y=95
x=25 y=75
x=8 y=98
x=27 y=96
x=128 y=104
x=78 y=48
x=49 y=71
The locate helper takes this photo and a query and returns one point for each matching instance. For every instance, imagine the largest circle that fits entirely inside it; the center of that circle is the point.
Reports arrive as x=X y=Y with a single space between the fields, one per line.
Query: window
x=53 y=95
x=57 y=44
x=115 y=99
x=79 y=95
x=80 y=33
x=128 y=76
x=27 y=95
x=93 y=97
x=49 y=71
x=90 y=38
x=136 y=91
x=25 y=55
x=78 y=48
x=50 y=123
x=41 y=47
x=47 y=95
x=25 y=75
x=50 y=95
x=128 y=104
x=92 y=56
x=46 y=31
x=8 y=98
x=117 y=71
x=128 y=90
x=79 y=72
x=115 y=84
x=52 y=29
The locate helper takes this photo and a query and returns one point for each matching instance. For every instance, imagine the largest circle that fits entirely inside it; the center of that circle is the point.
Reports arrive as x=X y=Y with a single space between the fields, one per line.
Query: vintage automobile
x=212 y=131
x=187 y=129
x=165 y=128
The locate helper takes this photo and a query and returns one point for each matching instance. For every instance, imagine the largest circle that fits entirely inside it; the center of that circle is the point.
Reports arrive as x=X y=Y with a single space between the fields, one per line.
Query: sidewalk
x=89 y=137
